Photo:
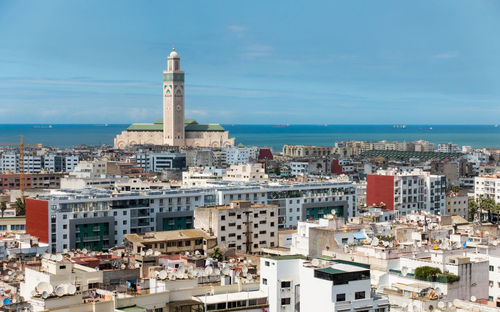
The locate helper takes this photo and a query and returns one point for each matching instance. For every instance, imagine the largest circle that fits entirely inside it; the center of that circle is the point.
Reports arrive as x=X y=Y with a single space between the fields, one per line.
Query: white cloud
x=257 y=51
x=447 y=55
x=237 y=29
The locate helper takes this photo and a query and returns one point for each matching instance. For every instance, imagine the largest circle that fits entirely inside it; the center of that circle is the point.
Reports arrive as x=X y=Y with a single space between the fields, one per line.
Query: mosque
x=174 y=129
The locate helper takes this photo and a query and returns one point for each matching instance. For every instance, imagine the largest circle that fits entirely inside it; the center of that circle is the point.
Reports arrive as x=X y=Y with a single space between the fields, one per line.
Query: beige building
x=306 y=151
x=171 y=242
x=240 y=225
x=174 y=129
x=457 y=205
x=12 y=224
x=246 y=173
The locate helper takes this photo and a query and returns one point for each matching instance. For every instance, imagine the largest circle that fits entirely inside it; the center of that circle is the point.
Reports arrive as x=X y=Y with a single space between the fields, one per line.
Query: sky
x=252 y=62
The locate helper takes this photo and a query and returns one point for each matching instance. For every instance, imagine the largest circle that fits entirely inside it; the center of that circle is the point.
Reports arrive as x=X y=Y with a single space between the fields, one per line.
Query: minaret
x=173 y=102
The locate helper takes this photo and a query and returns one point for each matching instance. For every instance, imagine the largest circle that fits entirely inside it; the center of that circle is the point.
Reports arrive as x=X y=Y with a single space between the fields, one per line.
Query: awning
x=359 y=235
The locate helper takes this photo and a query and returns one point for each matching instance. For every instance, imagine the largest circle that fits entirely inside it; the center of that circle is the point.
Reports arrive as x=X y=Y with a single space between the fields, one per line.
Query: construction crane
x=21 y=162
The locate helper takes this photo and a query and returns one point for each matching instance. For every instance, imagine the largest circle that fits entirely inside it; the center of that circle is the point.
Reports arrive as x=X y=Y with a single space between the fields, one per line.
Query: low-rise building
x=254 y=172
x=457 y=205
x=294 y=283
x=171 y=242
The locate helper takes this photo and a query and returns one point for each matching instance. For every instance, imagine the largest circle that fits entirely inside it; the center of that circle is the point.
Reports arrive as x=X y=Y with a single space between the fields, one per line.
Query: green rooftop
x=403 y=155
x=189 y=125
x=287 y=257
x=330 y=270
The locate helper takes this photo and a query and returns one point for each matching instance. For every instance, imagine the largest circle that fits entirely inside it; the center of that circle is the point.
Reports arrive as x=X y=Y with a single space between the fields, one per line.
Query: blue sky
x=253 y=62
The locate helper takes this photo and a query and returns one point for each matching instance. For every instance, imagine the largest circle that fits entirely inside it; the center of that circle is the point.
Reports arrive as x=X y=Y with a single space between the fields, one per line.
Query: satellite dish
x=250 y=276
x=84 y=250
x=53 y=257
x=65 y=250
x=163 y=274
x=137 y=265
x=71 y=254
x=315 y=262
x=157 y=253
x=45 y=295
x=441 y=305
x=60 y=291
x=473 y=298
x=197 y=252
x=143 y=253
x=244 y=269
x=59 y=257
x=404 y=271
x=42 y=286
x=46 y=256
x=71 y=289
x=375 y=241
x=123 y=266
x=226 y=271
x=216 y=271
x=209 y=270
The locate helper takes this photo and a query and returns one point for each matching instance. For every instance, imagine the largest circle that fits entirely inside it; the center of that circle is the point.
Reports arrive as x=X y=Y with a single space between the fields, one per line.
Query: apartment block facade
x=241 y=225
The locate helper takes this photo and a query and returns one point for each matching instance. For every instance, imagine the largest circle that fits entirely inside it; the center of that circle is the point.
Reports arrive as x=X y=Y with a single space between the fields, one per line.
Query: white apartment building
x=448 y=148
x=201 y=176
x=294 y=283
x=240 y=225
x=60 y=163
x=298 y=168
x=251 y=172
x=488 y=187
x=90 y=169
x=10 y=162
x=172 y=209
x=407 y=191
x=240 y=155
x=157 y=162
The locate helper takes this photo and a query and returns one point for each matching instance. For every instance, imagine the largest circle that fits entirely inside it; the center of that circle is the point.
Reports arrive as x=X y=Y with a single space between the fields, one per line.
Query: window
x=285 y=301
x=264 y=281
x=359 y=295
x=286 y=284
x=223 y=218
x=340 y=297
x=491 y=268
x=266 y=263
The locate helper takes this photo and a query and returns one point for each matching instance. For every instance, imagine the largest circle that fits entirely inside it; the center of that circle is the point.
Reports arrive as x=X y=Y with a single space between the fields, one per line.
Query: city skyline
x=345 y=64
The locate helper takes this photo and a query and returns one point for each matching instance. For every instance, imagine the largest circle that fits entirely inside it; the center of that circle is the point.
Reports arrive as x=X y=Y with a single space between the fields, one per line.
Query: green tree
x=455 y=189
x=473 y=209
x=425 y=273
x=3 y=207
x=20 y=207
x=487 y=204
x=217 y=254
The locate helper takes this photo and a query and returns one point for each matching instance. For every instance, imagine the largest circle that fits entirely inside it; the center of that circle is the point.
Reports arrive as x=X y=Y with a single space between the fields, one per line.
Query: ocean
x=66 y=135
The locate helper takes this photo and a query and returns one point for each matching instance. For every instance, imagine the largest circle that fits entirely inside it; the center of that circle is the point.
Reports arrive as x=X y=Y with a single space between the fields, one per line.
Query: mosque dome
x=173 y=54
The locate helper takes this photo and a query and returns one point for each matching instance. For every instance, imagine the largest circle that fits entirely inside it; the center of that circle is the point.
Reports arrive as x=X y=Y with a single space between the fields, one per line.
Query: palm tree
x=20 y=207
x=473 y=209
x=217 y=254
x=3 y=207
x=487 y=204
